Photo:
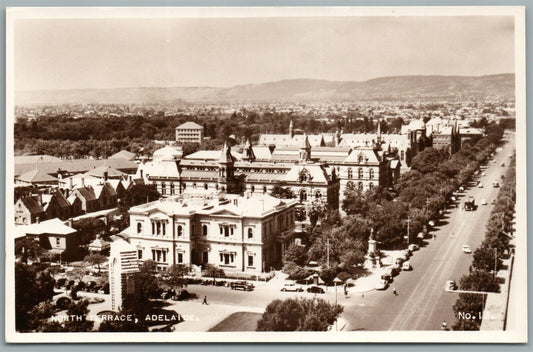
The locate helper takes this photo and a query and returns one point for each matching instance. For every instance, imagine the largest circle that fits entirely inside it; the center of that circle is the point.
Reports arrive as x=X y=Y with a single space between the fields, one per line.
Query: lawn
x=240 y=321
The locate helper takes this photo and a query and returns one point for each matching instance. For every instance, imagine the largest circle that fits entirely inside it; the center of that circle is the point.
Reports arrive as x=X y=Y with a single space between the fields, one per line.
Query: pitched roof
x=32 y=205
x=52 y=226
x=101 y=170
x=37 y=176
x=76 y=166
x=86 y=192
x=123 y=154
x=189 y=125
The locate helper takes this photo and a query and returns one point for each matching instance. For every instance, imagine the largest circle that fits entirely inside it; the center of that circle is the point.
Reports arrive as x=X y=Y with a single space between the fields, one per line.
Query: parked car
x=503 y=164
x=387 y=275
x=291 y=287
x=406 y=266
x=466 y=249
x=484 y=202
x=399 y=261
x=414 y=247
x=450 y=285
x=242 y=285
x=315 y=289
x=382 y=285
x=480 y=185
x=495 y=184
x=493 y=201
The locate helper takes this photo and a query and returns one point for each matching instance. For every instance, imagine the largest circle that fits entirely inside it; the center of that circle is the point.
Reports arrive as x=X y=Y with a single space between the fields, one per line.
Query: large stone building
x=210 y=171
x=236 y=233
x=189 y=132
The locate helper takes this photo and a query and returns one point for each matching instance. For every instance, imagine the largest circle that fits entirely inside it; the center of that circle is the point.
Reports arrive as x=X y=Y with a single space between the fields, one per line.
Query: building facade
x=189 y=132
x=247 y=234
x=124 y=284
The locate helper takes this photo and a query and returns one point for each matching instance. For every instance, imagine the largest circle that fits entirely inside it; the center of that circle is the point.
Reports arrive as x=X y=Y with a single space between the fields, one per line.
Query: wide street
x=422 y=303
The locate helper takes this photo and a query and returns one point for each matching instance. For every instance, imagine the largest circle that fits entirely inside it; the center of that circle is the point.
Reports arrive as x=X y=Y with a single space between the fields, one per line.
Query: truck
x=470 y=204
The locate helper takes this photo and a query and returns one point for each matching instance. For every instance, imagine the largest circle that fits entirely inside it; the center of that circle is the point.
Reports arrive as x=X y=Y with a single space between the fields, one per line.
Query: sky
x=223 y=52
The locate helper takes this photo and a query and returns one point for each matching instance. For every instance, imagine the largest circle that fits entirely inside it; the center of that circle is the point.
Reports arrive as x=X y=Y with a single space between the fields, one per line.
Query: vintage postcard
x=266 y=174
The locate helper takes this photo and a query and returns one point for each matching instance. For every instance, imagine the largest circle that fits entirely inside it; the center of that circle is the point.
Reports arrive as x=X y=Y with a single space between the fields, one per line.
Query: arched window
x=303 y=195
x=402 y=155
x=163 y=188
x=253 y=188
x=360 y=186
x=350 y=173
x=360 y=159
x=184 y=185
x=158 y=225
x=205 y=186
x=303 y=177
x=318 y=195
x=371 y=173
x=360 y=173
x=171 y=188
x=250 y=233
x=194 y=185
x=264 y=189
x=180 y=230
x=139 y=227
x=204 y=230
x=370 y=185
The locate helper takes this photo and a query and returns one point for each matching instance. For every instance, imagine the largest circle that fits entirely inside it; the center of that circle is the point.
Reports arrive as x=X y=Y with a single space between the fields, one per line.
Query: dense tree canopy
x=295 y=314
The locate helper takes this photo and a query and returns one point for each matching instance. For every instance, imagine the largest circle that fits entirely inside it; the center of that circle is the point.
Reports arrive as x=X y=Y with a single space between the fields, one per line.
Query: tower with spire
x=248 y=152
x=226 y=168
x=305 y=150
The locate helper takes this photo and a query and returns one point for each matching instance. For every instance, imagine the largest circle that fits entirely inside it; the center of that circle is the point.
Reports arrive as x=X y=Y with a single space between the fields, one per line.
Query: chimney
x=141 y=172
x=106 y=174
x=38 y=219
x=70 y=183
x=83 y=181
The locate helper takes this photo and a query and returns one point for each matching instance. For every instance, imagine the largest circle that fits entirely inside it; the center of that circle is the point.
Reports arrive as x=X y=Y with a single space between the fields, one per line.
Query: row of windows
x=303 y=195
x=360 y=173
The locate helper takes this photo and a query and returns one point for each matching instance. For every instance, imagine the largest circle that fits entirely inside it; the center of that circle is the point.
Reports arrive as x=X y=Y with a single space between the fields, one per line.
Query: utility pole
x=327 y=247
x=408 y=222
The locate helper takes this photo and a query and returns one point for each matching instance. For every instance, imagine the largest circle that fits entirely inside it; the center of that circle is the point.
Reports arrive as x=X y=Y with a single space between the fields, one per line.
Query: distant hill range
x=385 y=88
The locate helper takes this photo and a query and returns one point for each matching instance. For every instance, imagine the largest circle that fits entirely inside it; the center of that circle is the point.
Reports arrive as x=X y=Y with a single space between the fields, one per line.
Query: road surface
x=422 y=303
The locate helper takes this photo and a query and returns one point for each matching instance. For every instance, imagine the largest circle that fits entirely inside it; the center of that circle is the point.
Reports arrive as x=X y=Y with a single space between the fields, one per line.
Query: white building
x=189 y=132
x=123 y=275
x=233 y=232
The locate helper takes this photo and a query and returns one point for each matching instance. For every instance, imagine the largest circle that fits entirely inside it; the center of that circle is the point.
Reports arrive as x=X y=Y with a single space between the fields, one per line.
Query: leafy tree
x=298 y=315
x=139 y=194
x=29 y=248
x=80 y=323
x=31 y=288
x=485 y=258
x=281 y=191
x=328 y=275
x=354 y=201
x=95 y=259
x=176 y=275
x=479 y=280
x=89 y=228
x=214 y=272
x=149 y=284
x=295 y=253
x=468 y=303
x=428 y=160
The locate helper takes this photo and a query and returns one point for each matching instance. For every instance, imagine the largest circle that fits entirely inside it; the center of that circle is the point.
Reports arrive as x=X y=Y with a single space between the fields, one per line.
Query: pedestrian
x=394 y=291
x=205 y=300
x=362 y=295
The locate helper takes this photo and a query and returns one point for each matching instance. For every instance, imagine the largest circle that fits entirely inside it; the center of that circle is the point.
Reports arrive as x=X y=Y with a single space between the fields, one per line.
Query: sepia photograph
x=266 y=174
